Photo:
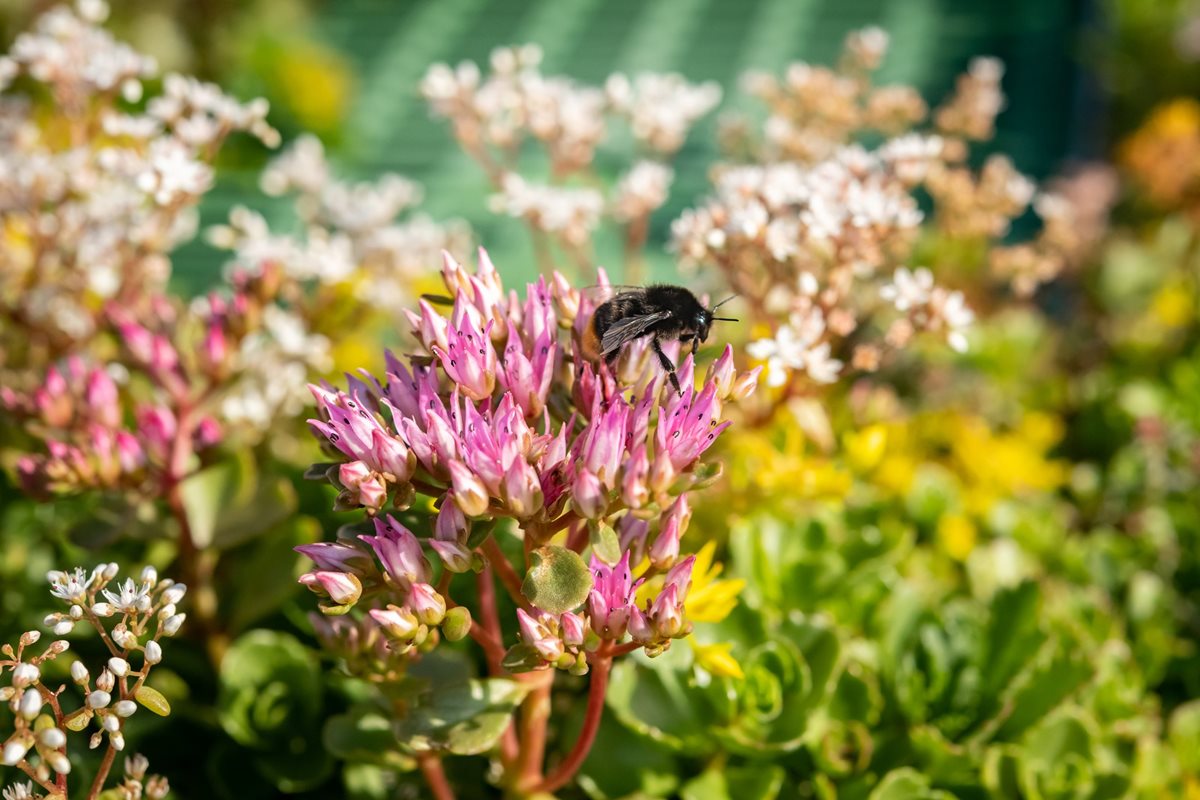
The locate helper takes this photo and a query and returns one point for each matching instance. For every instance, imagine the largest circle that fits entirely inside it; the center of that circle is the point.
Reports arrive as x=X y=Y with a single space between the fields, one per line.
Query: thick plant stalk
x=435 y=776
x=597 y=688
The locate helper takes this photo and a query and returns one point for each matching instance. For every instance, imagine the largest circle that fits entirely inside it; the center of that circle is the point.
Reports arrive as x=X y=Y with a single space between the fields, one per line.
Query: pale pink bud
x=590 y=499
x=396 y=623
x=538 y=636
x=634 y=490
x=469 y=494
x=343 y=588
x=522 y=492
x=427 y=604
x=573 y=629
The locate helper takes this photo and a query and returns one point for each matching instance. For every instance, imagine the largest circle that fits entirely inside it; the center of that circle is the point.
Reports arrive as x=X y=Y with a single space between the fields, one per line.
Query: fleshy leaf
x=557 y=580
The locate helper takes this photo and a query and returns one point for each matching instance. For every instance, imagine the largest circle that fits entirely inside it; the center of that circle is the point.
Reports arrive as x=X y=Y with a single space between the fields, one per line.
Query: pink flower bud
x=573 y=629
x=634 y=491
x=666 y=545
x=395 y=622
x=391 y=456
x=156 y=429
x=522 y=492
x=427 y=604
x=455 y=556
x=129 y=452
x=590 y=499
x=207 y=433
x=100 y=395
x=343 y=588
x=469 y=494
x=535 y=634
x=451 y=524
x=639 y=627
x=398 y=550
x=666 y=615
x=722 y=373
x=745 y=385
x=662 y=472
x=337 y=556
x=214 y=349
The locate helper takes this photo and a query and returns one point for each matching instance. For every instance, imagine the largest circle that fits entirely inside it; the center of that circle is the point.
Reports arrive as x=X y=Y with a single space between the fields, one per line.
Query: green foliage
x=557 y=579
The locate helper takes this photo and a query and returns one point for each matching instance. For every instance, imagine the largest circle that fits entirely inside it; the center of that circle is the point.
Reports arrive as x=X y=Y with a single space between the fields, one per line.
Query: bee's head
x=703 y=322
x=703 y=326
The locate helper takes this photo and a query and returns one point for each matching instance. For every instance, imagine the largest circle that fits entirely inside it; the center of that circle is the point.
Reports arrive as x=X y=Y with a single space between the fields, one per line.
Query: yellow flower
x=865 y=448
x=956 y=534
x=709 y=599
x=1174 y=305
x=315 y=83
x=716 y=658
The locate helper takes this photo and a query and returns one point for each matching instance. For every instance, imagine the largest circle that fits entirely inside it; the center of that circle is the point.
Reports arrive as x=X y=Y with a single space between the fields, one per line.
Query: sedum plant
x=132 y=619
x=528 y=474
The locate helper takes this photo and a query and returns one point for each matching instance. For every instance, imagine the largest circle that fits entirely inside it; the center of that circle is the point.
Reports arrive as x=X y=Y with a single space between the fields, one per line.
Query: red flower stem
x=435 y=776
x=597 y=687
x=102 y=774
x=504 y=571
x=488 y=633
x=535 y=715
x=491 y=638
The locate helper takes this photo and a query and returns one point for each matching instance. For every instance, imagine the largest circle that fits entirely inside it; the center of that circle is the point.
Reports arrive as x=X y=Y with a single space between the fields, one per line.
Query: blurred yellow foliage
x=1163 y=155
x=716 y=658
x=315 y=83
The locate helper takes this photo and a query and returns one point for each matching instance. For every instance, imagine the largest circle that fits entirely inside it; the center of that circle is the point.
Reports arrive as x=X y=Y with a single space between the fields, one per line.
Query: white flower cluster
x=641 y=190
x=92 y=199
x=351 y=231
x=661 y=107
x=275 y=364
x=850 y=208
x=569 y=213
x=516 y=100
x=144 y=613
x=928 y=307
x=798 y=345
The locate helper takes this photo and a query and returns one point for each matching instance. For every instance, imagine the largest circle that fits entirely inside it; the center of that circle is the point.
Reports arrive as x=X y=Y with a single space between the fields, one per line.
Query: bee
x=662 y=311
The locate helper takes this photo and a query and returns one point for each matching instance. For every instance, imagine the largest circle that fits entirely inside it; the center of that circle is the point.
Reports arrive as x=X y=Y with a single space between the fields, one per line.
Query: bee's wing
x=628 y=329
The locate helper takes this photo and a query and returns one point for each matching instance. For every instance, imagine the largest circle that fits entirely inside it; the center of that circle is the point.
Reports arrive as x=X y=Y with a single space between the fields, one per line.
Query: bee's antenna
x=725 y=319
x=723 y=302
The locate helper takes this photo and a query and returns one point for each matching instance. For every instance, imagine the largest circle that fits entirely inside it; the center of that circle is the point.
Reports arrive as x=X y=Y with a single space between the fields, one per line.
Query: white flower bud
x=125 y=708
x=30 y=637
x=117 y=740
x=25 y=674
x=96 y=739
x=166 y=611
x=58 y=761
x=173 y=624
x=7 y=693
x=149 y=575
x=119 y=666
x=102 y=610
x=76 y=611
x=174 y=594
x=56 y=576
x=111 y=570
x=57 y=648
x=30 y=704
x=98 y=699
x=125 y=638
x=153 y=652
x=64 y=627
x=106 y=681
x=142 y=604
x=110 y=723
x=13 y=752
x=53 y=738
x=52 y=619
x=79 y=672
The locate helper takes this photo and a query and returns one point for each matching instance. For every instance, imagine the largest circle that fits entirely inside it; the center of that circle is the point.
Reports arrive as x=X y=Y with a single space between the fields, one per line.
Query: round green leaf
x=558 y=580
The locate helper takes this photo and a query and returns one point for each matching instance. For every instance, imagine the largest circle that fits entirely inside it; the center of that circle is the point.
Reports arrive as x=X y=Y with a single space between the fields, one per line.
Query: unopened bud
x=153 y=652
x=98 y=699
x=457 y=623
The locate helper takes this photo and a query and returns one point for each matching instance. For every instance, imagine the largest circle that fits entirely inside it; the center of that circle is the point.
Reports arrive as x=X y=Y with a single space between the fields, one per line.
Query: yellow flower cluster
x=1163 y=155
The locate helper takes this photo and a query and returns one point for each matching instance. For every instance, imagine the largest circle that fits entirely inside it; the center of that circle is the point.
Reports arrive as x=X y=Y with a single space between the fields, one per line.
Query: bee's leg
x=666 y=364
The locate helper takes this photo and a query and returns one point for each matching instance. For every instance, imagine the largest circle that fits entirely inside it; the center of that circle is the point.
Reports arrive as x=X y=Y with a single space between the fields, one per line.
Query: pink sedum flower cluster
x=501 y=417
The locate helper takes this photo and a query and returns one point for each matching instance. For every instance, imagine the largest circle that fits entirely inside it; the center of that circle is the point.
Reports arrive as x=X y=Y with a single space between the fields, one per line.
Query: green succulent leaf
x=557 y=580
x=465 y=718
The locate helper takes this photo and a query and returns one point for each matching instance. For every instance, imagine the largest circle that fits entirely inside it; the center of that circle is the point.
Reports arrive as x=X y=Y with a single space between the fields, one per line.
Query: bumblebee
x=662 y=311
